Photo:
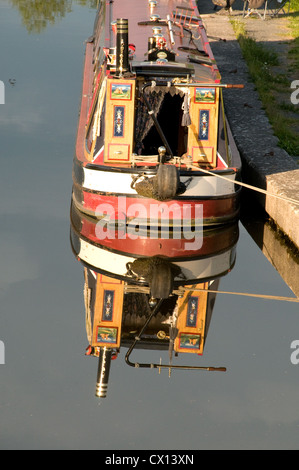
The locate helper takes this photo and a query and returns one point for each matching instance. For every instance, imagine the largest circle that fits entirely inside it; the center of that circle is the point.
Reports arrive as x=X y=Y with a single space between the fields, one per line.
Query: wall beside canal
x=265 y=164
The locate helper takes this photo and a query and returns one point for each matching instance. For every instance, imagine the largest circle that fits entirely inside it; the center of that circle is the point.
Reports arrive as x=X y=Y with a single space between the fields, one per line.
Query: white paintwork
x=212 y=266
x=108 y=182
x=103 y=259
x=114 y=263
x=120 y=183
x=209 y=186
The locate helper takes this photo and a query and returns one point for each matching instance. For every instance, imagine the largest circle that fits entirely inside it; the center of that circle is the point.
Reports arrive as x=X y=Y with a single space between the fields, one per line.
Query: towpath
x=266 y=165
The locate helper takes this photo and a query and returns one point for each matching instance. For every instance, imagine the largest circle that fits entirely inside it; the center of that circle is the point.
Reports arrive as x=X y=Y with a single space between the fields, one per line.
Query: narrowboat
x=152 y=133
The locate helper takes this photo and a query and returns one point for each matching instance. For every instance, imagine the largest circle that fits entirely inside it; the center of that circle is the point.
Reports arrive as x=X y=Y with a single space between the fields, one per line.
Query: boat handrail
x=152 y=170
x=211 y=84
x=160 y=365
x=167 y=69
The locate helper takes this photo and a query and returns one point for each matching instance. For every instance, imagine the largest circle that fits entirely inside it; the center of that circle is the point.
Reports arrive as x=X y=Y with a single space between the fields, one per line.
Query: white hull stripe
x=120 y=183
x=115 y=263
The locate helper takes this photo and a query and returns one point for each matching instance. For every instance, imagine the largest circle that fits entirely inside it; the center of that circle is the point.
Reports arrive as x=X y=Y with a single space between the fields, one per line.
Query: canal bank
x=265 y=164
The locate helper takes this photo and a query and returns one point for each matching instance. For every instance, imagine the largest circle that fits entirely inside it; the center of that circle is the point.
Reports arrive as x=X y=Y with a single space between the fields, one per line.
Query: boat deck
x=120 y=150
x=185 y=15
x=186 y=39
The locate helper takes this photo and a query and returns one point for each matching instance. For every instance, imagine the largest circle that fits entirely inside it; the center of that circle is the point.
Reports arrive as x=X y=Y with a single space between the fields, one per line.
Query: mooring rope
x=182 y=289
x=254 y=188
x=246 y=294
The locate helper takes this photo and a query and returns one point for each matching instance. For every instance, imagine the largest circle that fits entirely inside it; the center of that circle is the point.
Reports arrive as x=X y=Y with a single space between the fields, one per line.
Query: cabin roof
x=138 y=11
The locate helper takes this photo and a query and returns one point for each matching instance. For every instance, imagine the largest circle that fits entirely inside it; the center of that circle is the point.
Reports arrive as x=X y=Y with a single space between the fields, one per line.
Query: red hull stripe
x=212 y=209
x=212 y=243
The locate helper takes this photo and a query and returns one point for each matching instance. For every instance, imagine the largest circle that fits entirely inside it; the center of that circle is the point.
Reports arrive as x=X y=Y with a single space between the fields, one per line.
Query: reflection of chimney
x=103 y=372
x=122 y=46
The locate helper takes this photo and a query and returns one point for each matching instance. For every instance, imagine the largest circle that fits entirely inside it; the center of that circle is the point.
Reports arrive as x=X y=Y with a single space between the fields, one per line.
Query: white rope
x=254 y=188
x=260 y=296
x=180 y=290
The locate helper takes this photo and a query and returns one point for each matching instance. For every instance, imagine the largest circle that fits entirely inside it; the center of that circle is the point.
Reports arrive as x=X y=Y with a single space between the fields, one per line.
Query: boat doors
x=119 y=119
x=192 y=309
x=108 y=308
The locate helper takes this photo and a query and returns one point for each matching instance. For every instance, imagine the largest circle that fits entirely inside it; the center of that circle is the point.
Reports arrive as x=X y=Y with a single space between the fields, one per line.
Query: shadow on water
x=274 y=245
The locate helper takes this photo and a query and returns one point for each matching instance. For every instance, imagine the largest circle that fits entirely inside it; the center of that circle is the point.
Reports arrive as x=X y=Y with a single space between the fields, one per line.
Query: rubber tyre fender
x=161 y=282
x=168 y=181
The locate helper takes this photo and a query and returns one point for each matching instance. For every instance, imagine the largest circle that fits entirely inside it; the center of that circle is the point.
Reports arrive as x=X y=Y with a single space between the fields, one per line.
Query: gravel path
x=265 y=164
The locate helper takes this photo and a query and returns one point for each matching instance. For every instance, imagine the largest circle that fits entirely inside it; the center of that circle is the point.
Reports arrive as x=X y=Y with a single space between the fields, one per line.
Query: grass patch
x=294 y=27
x=289 y=107
x=272 y=85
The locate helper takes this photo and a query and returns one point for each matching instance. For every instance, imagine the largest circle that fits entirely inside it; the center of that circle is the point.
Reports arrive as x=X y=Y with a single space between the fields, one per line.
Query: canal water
x=47 y=384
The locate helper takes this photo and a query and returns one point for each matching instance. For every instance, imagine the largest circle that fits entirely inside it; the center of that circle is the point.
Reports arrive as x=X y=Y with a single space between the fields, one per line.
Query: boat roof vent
x=162 y=69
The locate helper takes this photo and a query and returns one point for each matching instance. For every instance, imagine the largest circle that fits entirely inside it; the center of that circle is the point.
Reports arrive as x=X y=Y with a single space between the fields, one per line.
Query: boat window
x=167 y=107
x=96 y=125
x=99 y=35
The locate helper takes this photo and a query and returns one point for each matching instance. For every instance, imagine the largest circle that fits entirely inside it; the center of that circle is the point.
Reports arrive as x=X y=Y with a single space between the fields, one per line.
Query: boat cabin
x=154 y=84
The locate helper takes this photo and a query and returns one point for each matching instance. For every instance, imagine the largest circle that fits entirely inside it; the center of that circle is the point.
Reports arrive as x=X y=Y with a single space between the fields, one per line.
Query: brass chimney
x=122 y=47
x=103 y=372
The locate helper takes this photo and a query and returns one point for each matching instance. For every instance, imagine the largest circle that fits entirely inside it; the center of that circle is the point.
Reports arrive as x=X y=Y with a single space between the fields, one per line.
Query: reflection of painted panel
x=107 y=313
x=121 y=91
x=189 y=341
x=205 y=95
x=106 y=335
x=204 y=118
x=192 y=311
x=119 y=117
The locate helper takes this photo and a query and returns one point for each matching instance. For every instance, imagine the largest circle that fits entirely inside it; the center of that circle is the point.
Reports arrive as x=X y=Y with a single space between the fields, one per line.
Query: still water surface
x=47 y=383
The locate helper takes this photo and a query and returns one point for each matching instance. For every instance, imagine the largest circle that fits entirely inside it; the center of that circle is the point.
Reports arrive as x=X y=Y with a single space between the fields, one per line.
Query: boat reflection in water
x=156 y=175
x=162 y=302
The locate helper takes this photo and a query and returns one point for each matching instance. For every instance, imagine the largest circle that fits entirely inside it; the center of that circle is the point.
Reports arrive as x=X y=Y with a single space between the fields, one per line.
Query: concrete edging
x=265 y=165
